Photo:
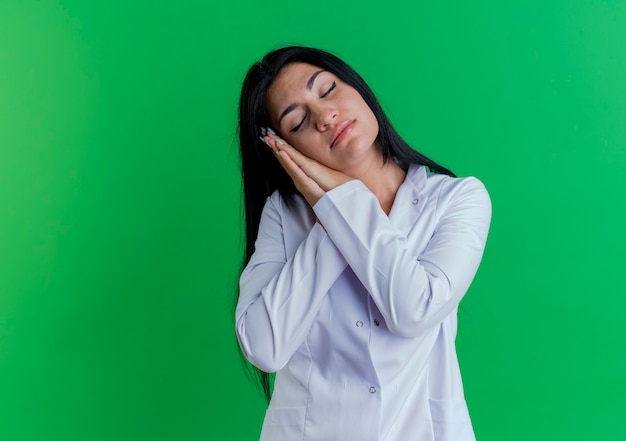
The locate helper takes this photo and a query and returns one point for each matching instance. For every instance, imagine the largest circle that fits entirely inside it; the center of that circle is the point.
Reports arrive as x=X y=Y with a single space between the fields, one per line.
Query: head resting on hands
x=261 y=172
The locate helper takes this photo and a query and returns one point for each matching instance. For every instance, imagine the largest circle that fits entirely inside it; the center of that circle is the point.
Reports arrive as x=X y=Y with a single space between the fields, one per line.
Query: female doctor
x=359 y=250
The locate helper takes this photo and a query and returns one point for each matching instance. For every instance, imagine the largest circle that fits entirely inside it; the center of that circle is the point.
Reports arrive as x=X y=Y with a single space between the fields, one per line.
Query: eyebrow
x=309 y=86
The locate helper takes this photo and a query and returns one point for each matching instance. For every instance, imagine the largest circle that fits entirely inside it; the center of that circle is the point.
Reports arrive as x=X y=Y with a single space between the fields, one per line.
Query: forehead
x=294 y=74
x=290 y=82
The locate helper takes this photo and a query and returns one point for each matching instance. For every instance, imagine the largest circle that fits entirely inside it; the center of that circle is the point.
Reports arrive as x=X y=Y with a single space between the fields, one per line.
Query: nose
x=326 y=116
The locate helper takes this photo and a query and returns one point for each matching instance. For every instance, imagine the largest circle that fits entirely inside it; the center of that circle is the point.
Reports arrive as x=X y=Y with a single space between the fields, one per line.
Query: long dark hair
x=261 y=172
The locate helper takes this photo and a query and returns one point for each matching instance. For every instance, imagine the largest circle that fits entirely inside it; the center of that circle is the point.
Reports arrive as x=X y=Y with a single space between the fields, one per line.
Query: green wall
x=120 y=216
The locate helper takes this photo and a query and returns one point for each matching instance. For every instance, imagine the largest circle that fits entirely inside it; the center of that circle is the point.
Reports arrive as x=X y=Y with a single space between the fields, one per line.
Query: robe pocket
x=283 y=423
x=451 y=421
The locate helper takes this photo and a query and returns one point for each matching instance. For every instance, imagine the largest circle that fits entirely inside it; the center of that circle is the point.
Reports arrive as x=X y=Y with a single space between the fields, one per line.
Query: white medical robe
x=359 y=317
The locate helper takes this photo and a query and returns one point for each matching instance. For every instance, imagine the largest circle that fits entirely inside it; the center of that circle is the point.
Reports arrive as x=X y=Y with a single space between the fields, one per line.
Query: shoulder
x=446 y=187
x=452 y=196
x=286 y=203
x=290 y=208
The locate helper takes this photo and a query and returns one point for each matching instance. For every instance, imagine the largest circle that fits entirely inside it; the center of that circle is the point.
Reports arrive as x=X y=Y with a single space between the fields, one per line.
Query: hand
x=311 y=178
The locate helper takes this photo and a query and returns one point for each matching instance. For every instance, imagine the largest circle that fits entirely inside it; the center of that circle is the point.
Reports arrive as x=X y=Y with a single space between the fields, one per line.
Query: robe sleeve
x=281 y=290
x=413 y=291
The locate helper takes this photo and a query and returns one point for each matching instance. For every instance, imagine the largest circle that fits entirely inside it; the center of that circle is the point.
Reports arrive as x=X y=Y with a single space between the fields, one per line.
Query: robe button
x=376 y=322
x=359 y=324
x=372 y=390
x=415 y=201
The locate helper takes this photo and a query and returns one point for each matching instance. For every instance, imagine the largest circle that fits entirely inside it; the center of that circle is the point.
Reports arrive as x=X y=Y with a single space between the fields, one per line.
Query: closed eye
x=296 y=128
x=330 y=89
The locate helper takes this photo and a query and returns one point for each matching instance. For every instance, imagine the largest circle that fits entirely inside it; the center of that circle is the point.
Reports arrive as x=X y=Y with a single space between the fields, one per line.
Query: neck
x=383 y=180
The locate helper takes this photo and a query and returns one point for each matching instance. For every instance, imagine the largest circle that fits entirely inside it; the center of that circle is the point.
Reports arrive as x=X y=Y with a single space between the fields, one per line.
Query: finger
x=325 y=177
x=277 y=143
x=307 y=186
x=290 y=166
x=295 y=155
x=299 y=166
x=266 y=140
x=274 y=143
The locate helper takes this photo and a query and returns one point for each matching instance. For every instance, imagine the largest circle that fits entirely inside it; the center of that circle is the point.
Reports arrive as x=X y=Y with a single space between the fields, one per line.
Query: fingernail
x=279 y=142
x=264 y=141
x=263 y=131
x=271 y=131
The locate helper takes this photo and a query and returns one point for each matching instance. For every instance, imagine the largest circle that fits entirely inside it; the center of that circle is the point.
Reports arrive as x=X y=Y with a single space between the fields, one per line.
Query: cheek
x=373 y=122
x=295 y=142
x=307 y=145
x=375 y=127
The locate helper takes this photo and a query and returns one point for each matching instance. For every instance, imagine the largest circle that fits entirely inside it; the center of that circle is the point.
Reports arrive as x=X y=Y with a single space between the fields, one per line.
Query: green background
x=120 y=235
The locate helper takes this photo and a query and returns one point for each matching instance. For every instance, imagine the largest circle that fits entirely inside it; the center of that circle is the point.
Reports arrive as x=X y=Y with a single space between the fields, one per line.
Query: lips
x=341 y=131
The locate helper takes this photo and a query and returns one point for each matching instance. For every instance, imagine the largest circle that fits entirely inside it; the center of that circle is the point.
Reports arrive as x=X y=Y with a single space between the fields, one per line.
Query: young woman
x=358 y=252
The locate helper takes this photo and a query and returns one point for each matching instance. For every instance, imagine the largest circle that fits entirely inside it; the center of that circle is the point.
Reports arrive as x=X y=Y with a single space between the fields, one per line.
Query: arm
x=413 y=292
x=280 y=294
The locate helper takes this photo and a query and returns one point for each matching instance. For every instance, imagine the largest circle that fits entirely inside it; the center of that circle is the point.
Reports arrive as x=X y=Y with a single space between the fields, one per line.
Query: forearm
x=413 y=289
x=280 y=296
